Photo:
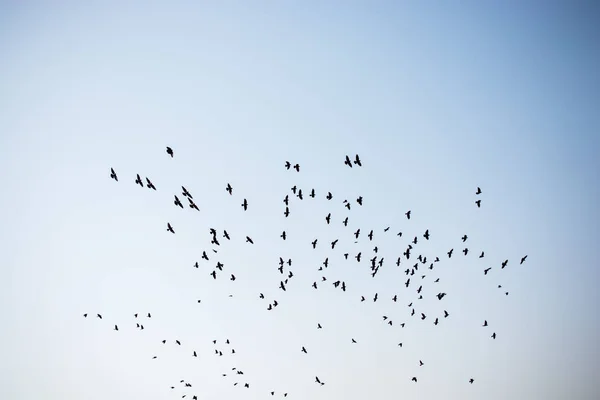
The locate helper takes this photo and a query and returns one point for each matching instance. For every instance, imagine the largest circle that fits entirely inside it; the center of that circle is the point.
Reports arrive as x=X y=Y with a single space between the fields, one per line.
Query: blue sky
x=436 y=98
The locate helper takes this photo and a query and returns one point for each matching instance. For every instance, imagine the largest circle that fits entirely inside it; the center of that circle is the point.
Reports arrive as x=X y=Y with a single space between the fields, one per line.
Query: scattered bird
x=170 y=151
x=113 y=175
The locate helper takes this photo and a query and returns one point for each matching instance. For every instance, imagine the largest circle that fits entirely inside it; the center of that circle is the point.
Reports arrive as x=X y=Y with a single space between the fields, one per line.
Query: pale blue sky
x=436 y=98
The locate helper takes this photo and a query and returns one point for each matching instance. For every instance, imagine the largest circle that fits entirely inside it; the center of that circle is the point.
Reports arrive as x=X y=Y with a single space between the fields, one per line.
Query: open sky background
x=437 y=99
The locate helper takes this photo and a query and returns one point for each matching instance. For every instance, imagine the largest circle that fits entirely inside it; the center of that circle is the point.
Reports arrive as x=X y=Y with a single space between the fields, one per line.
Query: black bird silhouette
x=450 y=253
x=414 y=379
x=226 y=235
x=353 y=341
x=304 y=350
x=170 y=151
x=170 y=228
x=481 y=255
x=116 y=328
x=245 y=205
x=328 y=218
x=478 y=202
x=334 y=243
x=446 y=314
x=504 y=263
x=232 y=277
x=357 y=161
x=319 y=326
x=229 y=189
x=471 y=380
x=149 y=184
x=297 y=167
x=423 y=316
x=314 y=244
x=177 y=202
x=288 y=165
x=466 y=250
x=494 y=335
x=478 y=190
x=348 y=162
x=485 y=323
x=523 y=260
x=407 y=214
x=113 y=175
x=186 y=193
x=319 y=381
x=426 y=235
x=312 y=193
x=464 y=238
x=138 y=180
x=485 y=271
x=420 y=363
x=287 y=212
x=249 y=240
x=283 y=235
x=359 y=200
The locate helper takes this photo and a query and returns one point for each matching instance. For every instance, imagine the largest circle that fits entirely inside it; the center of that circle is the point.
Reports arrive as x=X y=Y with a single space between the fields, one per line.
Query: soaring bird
x=149 y=184
x=478 y=190
x=478 y=202
x=357 y=161
x=229 y=189
x=523 y=260
x=170 y=228
x=170 y=151
x=348 y=162
x=407 y=214
x=177 y=202
x=138 y=180
x=288 y=165
x=245 y=205
x=113 y=175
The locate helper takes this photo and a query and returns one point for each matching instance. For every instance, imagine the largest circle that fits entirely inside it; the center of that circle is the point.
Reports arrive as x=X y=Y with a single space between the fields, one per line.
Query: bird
x=138 y=180
x=297 y=167
x=245 y=205
x=288 y=165
x=116 y=328
x=414 y=379
x=149 y=184
x=485 y=323
x=170 y=151
x=471 y=380
x=523 y=260
x=357 y=161
x=494 y=335
x=170 y=228
x=348 y=162
x=177 y=202
x=328 y=218
x=478 y=190
x=485 y=271
x=229 y=189
x=426 y=235
x=464 y=238
x=478 y=202
x=407 y=214
x=283 y=235
x=113 y=175
x=249 y=240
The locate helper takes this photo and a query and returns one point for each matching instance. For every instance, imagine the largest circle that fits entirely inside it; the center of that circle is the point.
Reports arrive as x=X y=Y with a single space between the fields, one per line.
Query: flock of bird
x=416 y=267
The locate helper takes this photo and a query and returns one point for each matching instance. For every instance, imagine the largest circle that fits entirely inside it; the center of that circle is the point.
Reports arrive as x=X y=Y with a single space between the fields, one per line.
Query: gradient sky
x=436 y=98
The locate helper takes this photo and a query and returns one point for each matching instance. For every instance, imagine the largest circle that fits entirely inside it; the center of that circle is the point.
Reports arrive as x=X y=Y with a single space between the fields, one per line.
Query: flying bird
x=113 y=175
x=348 y=162
x=170 y=151
x=357 y=161
x=245 y=205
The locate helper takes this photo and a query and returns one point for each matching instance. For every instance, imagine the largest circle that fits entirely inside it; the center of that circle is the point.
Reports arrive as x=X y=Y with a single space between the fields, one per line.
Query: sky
x=436 y=98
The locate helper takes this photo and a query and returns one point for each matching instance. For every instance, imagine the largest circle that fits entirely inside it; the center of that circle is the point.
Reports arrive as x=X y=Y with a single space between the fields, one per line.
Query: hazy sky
x=436 y=98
